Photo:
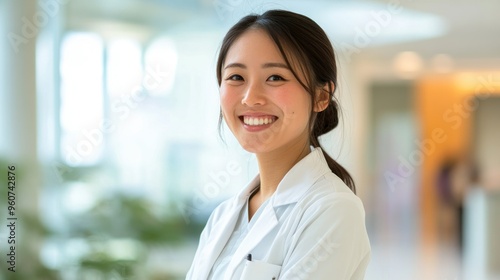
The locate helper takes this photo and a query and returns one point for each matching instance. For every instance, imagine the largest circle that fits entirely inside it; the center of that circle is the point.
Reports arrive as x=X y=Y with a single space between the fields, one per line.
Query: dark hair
x=302 y=39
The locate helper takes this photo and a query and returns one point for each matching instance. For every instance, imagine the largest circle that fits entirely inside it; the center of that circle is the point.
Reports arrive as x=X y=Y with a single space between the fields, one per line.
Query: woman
x=299 y=218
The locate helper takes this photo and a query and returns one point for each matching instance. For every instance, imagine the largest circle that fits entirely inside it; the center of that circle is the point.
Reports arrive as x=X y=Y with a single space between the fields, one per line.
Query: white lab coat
x=312 y=228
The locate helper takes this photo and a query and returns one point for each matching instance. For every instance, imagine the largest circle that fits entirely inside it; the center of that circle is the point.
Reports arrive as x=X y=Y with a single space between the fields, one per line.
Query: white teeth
x=258 y=121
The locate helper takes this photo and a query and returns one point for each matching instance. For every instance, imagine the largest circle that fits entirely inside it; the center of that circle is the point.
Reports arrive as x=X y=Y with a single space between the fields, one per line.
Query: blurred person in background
x=455 y=178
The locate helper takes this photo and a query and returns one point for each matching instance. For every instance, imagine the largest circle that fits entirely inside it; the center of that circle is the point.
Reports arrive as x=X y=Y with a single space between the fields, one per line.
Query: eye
x=235 y=78
x=276 y=78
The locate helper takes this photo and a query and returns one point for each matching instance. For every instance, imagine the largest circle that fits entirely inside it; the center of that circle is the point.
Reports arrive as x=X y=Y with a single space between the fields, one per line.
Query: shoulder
x=331 y=207
x=331 y=211
x=329 y=195
x=327 y=229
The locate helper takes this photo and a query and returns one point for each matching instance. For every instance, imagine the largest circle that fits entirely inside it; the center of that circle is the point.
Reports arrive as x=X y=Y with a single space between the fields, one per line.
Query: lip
x=256 y=114
x=256 y=128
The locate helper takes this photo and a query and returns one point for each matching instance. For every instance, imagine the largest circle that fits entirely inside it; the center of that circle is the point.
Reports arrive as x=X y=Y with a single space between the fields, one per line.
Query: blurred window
x=81 y=97
x=124 y=66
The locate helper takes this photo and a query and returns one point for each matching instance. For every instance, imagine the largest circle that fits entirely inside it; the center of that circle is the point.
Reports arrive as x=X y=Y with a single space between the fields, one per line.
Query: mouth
x=258 y=120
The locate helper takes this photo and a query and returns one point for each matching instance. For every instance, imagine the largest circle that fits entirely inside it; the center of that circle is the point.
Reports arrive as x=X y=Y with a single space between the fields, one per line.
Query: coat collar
x=296 y=181
x=300 y=178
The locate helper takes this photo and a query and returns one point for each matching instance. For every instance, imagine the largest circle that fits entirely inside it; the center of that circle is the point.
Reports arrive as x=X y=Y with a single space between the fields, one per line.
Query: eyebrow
x=265 y=65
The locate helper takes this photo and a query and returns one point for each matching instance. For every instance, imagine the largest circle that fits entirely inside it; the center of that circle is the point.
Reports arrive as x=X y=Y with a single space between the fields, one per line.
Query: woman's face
x=262 y=102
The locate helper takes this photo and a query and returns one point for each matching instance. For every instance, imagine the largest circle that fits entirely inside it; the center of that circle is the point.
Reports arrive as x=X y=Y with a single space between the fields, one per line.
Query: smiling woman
x=299 y=218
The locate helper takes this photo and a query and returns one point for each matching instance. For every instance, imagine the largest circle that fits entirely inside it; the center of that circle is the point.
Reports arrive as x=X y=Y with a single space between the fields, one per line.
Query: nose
x=253 y=95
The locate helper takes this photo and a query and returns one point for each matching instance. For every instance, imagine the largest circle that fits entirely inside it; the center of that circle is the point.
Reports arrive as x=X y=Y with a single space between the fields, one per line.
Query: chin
x=250 y=148
x=255 y=148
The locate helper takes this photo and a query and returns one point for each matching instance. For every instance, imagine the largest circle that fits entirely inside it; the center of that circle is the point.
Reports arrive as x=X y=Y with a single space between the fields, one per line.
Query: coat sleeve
x=331 y=242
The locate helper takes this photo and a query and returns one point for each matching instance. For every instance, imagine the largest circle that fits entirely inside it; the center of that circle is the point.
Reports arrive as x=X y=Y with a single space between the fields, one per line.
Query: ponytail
x=324 y=122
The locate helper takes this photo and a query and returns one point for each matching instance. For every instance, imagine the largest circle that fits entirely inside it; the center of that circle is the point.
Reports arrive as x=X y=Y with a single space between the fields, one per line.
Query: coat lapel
x=266 y=222
x=221 y=231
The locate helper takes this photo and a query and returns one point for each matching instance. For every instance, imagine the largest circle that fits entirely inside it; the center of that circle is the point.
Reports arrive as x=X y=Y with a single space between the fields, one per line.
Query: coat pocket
x=260 y=270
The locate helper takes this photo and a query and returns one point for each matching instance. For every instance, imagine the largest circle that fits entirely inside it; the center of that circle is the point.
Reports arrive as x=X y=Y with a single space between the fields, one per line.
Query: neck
x=274 y=165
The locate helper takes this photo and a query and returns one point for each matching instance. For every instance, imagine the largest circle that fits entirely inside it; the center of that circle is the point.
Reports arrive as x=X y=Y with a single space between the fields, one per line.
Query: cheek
x=295 y=105
x=228 y=101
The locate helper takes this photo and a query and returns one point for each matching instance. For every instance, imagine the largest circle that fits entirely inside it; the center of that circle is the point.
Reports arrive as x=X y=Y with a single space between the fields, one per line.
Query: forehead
x=254 y=46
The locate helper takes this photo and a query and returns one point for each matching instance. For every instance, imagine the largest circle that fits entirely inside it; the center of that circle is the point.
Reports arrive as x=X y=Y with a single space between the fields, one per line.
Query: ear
x=323 y=97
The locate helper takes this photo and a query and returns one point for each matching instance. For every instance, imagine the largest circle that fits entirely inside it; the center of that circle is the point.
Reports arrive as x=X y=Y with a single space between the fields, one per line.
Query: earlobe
x=323 y=97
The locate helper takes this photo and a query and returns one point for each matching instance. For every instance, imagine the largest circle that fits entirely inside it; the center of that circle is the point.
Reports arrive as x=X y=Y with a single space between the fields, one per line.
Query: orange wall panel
x=445 y=105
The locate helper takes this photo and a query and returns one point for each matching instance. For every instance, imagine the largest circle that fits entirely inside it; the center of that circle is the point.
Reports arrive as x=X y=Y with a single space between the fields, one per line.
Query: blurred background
x=109 y=110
